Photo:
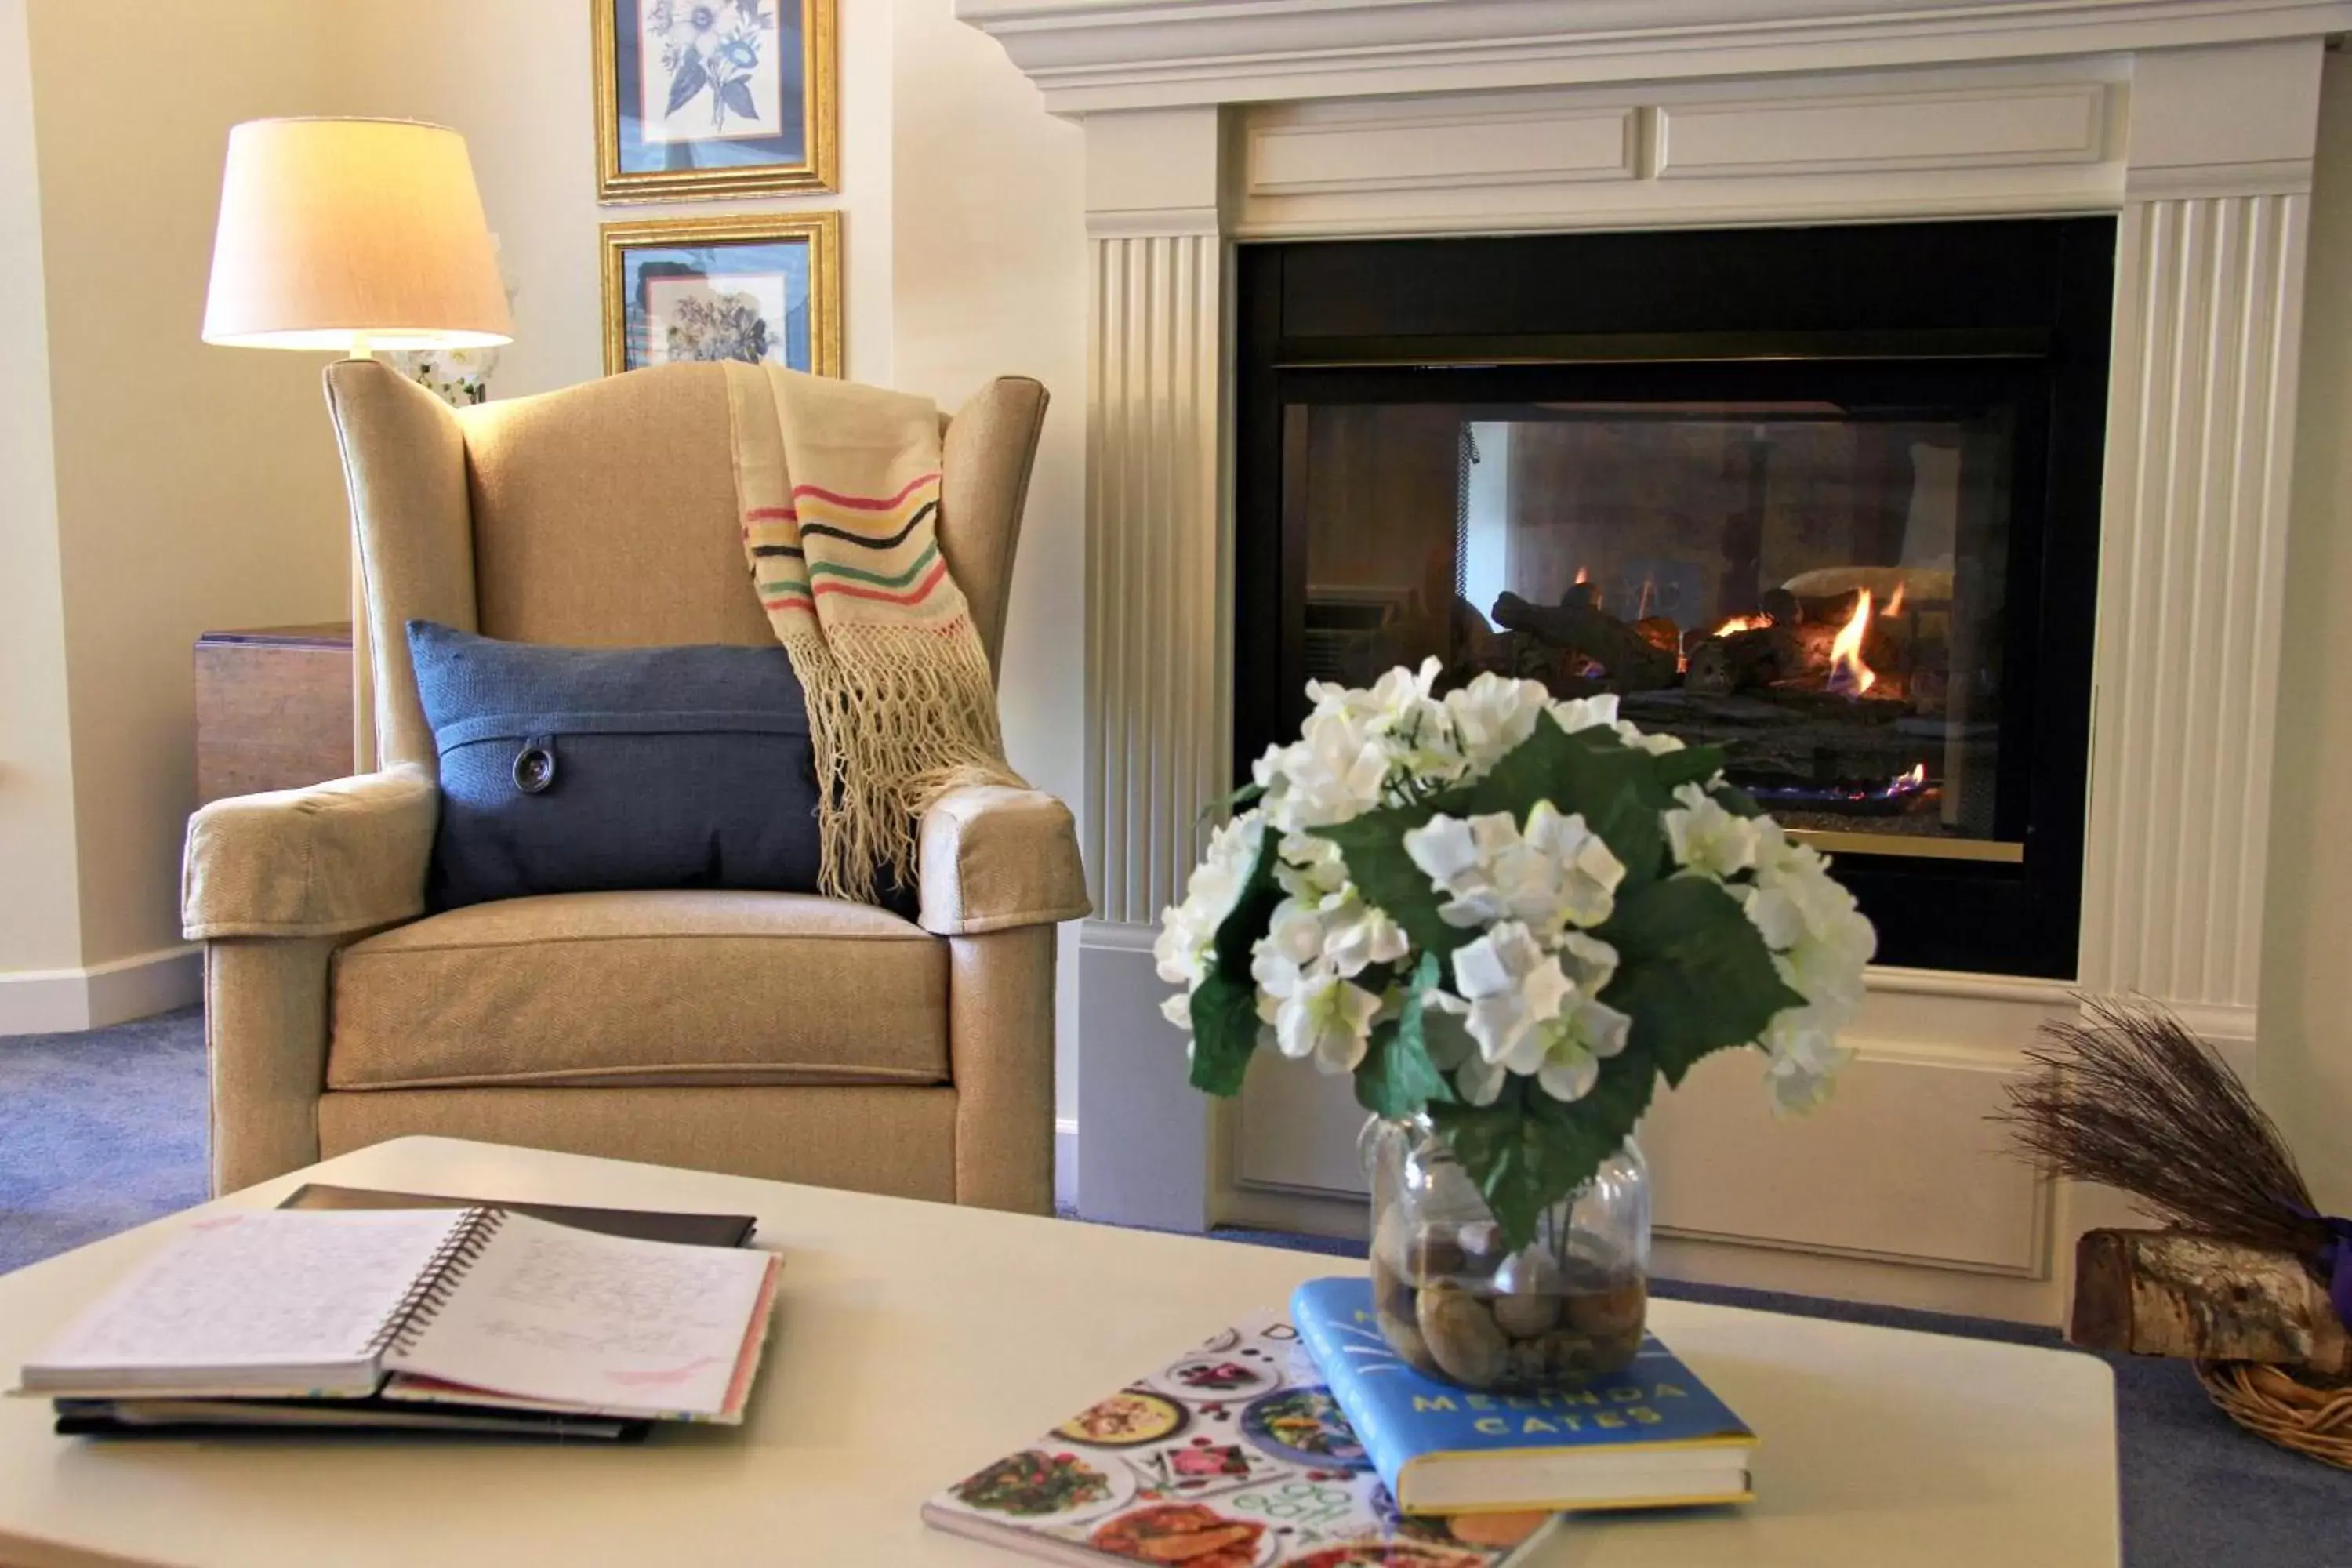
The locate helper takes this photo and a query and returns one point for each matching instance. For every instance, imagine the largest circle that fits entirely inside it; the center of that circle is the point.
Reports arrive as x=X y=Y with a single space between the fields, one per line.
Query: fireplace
x=1308 y=219
x=1827 y=497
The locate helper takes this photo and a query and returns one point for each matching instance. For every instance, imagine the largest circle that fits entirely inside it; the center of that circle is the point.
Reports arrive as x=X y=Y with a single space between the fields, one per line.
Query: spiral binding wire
x=414 y=1313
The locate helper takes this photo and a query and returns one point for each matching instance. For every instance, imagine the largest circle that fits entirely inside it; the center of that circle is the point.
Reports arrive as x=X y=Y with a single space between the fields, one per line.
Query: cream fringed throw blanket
x=839 y=489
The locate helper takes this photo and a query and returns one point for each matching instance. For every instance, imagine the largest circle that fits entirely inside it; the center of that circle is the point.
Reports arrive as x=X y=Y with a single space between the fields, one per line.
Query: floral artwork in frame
x=752 y=289
x=713 y=98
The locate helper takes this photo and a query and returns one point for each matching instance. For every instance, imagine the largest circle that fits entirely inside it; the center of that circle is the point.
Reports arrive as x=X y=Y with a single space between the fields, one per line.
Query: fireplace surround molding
x=1210 y=124
x=1092 y=55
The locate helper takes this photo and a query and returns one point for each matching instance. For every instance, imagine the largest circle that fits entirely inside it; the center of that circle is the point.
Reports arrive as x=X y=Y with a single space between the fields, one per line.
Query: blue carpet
x=99 y=1132
x=103 y=1131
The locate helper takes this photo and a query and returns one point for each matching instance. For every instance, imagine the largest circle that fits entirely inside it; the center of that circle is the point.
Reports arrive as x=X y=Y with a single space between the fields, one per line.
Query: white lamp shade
x=337 y=234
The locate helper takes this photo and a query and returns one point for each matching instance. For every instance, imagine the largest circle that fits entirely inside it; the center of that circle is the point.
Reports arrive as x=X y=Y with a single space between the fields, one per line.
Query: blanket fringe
x=909 y=715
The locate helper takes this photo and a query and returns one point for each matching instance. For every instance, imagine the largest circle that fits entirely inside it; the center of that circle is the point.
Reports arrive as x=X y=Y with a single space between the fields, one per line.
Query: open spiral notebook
x=477 y=1307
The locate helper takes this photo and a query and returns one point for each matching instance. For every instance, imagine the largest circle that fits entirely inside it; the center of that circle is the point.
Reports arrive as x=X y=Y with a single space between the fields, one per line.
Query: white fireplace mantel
x=1211 y=123
x=1090 y=54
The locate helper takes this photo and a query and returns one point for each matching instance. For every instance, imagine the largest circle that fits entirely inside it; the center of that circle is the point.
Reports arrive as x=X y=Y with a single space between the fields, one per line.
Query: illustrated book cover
x=1651 y=1435
x=1224 y=1457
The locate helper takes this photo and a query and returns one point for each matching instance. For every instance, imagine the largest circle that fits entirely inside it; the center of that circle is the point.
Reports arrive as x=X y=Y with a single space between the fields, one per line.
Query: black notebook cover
x=641 y=1225
x=312 y=1417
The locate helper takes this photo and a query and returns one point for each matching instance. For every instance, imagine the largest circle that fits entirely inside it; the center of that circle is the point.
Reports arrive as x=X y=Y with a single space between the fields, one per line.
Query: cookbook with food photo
x=1231 y=1456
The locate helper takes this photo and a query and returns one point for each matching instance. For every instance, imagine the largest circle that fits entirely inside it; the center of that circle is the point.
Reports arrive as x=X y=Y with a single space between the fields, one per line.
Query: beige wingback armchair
x=774 y=1035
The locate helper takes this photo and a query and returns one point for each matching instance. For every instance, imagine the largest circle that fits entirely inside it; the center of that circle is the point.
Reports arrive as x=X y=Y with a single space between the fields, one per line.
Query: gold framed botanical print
x=760 y=288
x=713 y=98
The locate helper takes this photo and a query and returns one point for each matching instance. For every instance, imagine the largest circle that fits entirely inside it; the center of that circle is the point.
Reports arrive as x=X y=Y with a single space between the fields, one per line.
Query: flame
x=1583 y=575
x=1917 y=777
x=1848 y=675
x=1755 y=622
x=1895 y=600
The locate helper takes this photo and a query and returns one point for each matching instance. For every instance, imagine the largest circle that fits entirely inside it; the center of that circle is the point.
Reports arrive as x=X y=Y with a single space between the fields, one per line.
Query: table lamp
x=353 y=235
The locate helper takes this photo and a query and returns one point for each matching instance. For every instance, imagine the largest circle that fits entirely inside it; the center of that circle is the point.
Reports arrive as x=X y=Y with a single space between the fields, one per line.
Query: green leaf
x=1224 y=1032
x=1225 y=1007
x=1691 y=764
x=1251 y=914
x=1527 y=1151
x=1240 y=800
x=1593 y=772
x=1693 y=972
x=1373 y=848
x=1735 y=800
x=1396 y=1077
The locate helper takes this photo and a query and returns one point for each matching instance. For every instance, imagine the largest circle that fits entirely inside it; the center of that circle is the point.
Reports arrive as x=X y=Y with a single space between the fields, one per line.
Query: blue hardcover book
x=1652 y=1436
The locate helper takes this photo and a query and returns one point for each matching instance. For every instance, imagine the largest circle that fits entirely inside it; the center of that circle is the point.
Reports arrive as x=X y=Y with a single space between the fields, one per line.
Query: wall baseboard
x=65 y=1001
x=1065 y=1162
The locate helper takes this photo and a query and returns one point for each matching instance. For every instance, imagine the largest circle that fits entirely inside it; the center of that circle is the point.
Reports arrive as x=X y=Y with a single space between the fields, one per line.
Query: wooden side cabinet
x=273 y=709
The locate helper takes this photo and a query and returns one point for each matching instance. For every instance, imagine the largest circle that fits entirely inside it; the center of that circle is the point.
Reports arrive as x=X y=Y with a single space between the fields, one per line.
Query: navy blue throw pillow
x=595 y=770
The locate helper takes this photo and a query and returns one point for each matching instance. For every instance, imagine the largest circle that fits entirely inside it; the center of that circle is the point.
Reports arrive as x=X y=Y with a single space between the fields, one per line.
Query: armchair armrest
x=994 y=859
x=335 y=857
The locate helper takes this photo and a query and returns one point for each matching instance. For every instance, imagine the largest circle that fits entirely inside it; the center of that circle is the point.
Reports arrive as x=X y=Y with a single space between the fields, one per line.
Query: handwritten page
x=265 y=1289
x=549 y=1313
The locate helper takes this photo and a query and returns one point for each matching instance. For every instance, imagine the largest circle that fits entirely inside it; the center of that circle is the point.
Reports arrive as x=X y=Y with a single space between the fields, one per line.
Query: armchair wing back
x=772 y=1034
x=604 y=515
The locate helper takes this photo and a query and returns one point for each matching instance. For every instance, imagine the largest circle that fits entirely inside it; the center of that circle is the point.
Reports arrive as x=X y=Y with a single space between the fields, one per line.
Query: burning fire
x=1755 y=622
x=1895 y=602
x=1916 y=778
x=1849 y=677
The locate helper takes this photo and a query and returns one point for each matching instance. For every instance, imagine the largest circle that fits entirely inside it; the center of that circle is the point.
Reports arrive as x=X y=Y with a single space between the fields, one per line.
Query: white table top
x=917 y=1342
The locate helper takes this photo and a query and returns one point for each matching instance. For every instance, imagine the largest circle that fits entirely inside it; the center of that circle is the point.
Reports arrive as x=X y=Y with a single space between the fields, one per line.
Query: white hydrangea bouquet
x=1512 y=913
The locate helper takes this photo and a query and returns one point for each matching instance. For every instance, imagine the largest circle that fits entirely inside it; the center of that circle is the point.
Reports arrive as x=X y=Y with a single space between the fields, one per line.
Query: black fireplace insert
x=1825 y=497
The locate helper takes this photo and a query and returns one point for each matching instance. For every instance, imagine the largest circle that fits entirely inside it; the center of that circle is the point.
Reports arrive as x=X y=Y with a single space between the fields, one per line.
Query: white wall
x=189 y=487
x=2304 y=1055
x=40 y=913
x=988 y=269
x=517 y=79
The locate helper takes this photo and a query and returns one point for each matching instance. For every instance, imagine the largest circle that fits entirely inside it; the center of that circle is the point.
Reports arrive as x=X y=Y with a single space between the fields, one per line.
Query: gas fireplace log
x=2161 y=1292
x=1720 y=666
x=1633 y=663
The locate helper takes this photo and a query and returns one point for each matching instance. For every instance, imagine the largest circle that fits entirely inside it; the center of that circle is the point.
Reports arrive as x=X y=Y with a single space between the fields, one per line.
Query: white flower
x=1805 y=1059
x=1334 y=774
x=1820 y=938
x=1588 y=961
x=1574 y=1043
x=1451 y=1050
x=1357 y=936
x=1556 y=873
x=1585 y=871
x=1821 y=945
x=1511 y=985
x=1575 y=713
x=1318 y=1015
x=1706 y=838
x=1447 y=851
x=1293 y=933
x=1492 y=715
x=1189 y=930
x=1397 y=701
x=1309 y=868
x=1326 y=918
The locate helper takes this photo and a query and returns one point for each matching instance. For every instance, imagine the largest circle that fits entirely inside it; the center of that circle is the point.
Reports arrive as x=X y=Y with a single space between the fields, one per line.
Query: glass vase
x=1562 y=1312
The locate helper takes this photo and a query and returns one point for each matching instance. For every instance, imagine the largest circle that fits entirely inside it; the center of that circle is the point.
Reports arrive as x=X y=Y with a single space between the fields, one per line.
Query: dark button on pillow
x=534 y=765
x=598 y=770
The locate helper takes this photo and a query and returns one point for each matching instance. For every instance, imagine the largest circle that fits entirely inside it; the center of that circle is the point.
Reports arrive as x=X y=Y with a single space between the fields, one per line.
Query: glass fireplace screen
x=1819 y=588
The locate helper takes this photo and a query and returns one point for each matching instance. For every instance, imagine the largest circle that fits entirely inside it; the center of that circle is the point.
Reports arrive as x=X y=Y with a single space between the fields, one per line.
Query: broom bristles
x=2130 y=1098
